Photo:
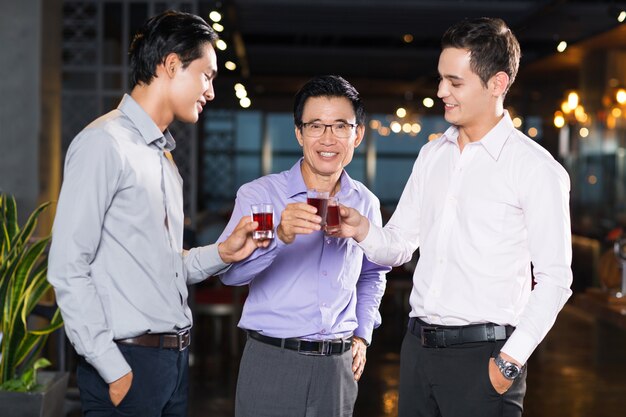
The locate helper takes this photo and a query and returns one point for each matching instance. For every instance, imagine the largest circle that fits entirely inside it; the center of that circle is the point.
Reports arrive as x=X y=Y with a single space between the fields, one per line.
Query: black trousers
x=454 y=382
x=159 y=389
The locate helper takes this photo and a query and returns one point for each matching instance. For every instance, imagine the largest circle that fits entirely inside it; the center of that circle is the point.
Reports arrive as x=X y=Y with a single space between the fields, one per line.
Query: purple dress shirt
x=317 y=287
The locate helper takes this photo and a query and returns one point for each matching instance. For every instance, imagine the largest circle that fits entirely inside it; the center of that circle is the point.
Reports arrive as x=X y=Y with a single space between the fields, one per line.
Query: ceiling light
x=622 y=16
x=517 y=122
x=245 y=102
x=215 y=16
x=217 y=27
x=241 y=93
x=401 y=112
x=620 y=96
x=230 y=65
x=221 y=45
x=407 y=38
x=428 y=102
x=562 y=46
x=395 y=127
x=239 y=86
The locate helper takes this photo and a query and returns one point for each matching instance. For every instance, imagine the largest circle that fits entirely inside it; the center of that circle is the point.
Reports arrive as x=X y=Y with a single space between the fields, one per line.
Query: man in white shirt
x=482 y=203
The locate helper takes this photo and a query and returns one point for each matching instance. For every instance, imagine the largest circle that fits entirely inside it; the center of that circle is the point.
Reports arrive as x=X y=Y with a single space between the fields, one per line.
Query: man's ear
x=299 y=136
x=500 y=83
x=171 y=64
x=360 y=134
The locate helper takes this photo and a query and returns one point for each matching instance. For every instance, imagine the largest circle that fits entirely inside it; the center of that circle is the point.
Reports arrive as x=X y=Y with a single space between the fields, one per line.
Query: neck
x=150 y=98
x=476 y=131
x=329 y=183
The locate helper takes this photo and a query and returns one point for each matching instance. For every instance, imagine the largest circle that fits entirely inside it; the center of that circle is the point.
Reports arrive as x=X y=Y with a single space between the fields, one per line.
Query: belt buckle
x=182 y=339
x=433 y=336
x=324 y=348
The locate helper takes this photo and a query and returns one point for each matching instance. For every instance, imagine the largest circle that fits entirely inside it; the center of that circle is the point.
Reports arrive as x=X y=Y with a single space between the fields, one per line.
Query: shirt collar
x=493 y=141
x=146 y=126
x=296 y=185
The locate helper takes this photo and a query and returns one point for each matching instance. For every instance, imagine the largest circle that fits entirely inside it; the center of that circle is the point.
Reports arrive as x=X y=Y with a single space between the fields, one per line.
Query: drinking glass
x=319 y=200
x=333 y=219
x=263 y=214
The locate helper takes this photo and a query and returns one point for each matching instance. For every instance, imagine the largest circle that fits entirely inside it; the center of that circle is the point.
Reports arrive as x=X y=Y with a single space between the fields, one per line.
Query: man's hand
x=240 y=244
x=297 y=219
x=499 y=382
x=118 y=389
x=353 y=224
x=359 y=350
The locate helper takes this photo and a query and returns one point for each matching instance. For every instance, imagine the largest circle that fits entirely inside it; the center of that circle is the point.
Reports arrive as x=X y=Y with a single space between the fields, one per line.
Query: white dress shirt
x=480 y=217
x=116 y=260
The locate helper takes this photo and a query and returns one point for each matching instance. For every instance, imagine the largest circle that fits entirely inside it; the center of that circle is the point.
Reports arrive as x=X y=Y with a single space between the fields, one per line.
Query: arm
x=395 y=243
x=297 y=218
x=545 y=204
x=205 y=261
x=92 y=174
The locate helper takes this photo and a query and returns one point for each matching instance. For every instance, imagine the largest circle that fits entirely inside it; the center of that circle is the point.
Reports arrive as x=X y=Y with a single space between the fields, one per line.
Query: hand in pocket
x=118 y=389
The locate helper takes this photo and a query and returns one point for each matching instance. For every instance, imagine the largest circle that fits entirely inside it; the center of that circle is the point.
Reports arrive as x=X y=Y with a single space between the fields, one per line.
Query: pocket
x=124 y=399
x=351 y=265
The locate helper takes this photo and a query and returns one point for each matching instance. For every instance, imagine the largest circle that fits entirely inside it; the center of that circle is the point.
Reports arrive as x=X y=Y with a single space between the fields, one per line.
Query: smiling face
x=326 y=156
x=192 y=87
x=468 y=103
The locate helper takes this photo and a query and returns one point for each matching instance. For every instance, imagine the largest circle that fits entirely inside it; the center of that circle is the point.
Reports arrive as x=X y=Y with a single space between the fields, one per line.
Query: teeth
x=328 y=154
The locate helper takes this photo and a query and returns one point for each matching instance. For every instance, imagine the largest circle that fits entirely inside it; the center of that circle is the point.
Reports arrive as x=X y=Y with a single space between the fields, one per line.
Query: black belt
x=306 y=347
x=443 y=336
x=178 y=341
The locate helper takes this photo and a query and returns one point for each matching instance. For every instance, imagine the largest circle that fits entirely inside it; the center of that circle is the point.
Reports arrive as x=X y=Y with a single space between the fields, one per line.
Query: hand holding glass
x=264 y=215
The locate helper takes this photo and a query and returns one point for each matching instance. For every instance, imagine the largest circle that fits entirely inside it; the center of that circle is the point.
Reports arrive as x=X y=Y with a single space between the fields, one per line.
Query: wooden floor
x=578 y=371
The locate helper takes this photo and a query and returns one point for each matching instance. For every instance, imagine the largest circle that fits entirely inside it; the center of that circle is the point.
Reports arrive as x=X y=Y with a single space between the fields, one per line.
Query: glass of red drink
x=319 y=200
x=264 y=215
x=333 y=219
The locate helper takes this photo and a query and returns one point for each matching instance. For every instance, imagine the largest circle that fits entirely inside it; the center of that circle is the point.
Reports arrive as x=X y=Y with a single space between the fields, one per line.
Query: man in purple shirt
x=313 y=299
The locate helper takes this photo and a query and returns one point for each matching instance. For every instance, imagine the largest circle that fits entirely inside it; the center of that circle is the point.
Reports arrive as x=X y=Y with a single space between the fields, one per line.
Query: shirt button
x=328 y=241
x=323 y=331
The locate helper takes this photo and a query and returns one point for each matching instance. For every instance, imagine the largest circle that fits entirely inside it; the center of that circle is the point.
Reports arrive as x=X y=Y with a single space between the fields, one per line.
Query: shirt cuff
x=211 y=261
x=365 y=334
x=111 y=365
x=520 y=346
x=371 y=241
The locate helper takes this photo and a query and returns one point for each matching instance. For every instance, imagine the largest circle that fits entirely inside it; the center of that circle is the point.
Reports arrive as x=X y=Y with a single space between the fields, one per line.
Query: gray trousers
x=275 y=382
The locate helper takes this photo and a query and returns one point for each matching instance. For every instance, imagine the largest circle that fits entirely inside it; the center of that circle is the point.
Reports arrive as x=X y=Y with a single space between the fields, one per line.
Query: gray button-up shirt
x=116 y=260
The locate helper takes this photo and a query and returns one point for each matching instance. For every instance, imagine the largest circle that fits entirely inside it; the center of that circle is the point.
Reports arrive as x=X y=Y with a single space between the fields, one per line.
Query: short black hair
x=492 y=46
x=169 y=32
x=327 y=86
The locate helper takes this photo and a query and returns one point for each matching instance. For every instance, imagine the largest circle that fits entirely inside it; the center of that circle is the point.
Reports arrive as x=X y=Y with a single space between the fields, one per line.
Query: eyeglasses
x=316 y=130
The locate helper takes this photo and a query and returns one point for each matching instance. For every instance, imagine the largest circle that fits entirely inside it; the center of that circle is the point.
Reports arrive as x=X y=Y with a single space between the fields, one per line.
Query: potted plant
x=23 y=266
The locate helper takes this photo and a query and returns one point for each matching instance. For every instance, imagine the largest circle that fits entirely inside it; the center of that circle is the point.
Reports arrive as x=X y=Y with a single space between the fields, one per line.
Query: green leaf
x=23 y=283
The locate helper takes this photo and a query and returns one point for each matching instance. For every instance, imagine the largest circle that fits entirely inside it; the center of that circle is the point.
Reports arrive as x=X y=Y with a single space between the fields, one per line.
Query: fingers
x=359 y=350
x=299 y=218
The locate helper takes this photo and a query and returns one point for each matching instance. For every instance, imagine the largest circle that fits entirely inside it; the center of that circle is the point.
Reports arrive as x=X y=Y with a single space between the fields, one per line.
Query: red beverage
x=263 y=214
x=332 y=216
x=265 y=220
x=321 y=204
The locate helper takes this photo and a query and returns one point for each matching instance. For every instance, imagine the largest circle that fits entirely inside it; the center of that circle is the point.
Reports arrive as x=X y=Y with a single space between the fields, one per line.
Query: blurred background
x=65 y=63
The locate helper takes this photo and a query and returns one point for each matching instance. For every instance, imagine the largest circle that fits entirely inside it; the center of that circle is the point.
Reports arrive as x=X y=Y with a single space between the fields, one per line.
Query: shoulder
x=533 y=160
x=265 y=186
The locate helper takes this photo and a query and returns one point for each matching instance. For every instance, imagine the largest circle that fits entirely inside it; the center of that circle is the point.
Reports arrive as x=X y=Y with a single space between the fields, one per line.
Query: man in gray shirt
x=116 y=261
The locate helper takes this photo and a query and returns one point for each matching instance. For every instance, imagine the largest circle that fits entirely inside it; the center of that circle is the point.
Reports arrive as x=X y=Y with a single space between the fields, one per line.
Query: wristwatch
x=509 y=370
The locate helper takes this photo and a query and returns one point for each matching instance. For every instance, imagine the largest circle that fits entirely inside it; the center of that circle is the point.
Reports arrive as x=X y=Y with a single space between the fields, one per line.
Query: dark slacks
x=454 y=382
x=275 y=382
x=159 y=389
